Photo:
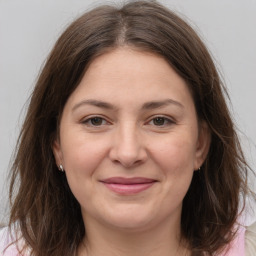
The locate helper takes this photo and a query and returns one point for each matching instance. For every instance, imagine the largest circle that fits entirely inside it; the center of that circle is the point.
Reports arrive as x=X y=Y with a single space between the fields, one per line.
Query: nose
x=127 y=147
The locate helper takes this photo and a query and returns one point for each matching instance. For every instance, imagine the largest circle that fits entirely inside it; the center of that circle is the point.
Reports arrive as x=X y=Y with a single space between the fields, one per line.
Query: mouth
x=128 y=186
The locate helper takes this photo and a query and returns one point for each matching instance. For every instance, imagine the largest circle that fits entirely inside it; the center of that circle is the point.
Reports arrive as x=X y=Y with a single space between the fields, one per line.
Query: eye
x=161 y=121
x=95 y=121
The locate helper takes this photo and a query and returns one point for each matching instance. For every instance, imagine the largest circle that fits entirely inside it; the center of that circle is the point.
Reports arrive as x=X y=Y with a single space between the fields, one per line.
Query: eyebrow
x=146 y=106
x=161 y=103
x=96 y=103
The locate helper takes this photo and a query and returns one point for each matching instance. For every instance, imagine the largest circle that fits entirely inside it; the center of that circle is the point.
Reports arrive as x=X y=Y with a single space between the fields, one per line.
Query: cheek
x=177 y=166
x=175 y=154
x=175 y=157
x=81 y=158
x=82 y=154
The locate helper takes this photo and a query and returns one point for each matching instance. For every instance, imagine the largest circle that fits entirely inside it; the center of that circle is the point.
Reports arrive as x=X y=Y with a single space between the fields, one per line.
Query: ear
x=56 y=148
x=203 y=144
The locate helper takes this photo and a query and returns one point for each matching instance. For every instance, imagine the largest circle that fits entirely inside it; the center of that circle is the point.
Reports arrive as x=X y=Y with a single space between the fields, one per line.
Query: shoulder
x=244 y=243
x=6 y=240
x=250 y=240
x=8 y=246
x=237 y=246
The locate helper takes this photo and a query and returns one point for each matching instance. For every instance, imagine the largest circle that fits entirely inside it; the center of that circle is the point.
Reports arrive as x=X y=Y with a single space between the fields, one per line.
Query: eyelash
x=88 y=121
x=167 y=121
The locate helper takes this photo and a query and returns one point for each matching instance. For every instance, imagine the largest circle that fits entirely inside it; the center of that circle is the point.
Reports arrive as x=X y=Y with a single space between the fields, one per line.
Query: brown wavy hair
x=43 y=207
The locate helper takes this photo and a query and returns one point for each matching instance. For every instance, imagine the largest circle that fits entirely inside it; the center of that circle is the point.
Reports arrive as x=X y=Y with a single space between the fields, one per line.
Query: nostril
x=127 y=150
x=128 y=164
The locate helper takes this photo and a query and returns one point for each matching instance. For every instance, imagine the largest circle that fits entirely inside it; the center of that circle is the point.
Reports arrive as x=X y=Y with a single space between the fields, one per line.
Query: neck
x=162 y=240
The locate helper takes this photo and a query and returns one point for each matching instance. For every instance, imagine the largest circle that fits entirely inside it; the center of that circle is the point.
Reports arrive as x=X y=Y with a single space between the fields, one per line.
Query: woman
x=128 y=147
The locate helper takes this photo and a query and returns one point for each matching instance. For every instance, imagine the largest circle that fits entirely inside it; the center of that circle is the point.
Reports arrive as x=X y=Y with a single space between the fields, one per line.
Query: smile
x=128 y=186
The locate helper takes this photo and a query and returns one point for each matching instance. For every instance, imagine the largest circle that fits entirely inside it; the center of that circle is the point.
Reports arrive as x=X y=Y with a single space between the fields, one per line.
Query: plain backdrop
x=29 y=28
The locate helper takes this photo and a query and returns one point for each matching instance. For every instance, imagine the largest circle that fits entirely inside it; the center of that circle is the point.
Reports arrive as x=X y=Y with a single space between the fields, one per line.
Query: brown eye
x=158 y=121
x=161 y=121
x=96 y=121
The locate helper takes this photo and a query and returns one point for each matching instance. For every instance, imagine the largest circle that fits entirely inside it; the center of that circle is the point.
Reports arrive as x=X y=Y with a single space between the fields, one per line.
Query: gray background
x=29 y=28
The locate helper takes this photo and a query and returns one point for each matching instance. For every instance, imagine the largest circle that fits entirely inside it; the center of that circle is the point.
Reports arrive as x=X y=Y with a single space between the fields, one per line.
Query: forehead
x=125 y=74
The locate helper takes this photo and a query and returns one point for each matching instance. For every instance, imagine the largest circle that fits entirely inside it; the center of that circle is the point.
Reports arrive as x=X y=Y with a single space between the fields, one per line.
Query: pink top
x=6 y=246
x=236 y=248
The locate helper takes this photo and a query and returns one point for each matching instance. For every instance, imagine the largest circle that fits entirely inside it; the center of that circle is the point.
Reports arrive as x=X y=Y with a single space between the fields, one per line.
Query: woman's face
x=130 y=141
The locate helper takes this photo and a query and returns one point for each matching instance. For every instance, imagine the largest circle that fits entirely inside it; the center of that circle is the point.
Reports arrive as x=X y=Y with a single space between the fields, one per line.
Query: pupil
x=96 y=121
x=159 y=121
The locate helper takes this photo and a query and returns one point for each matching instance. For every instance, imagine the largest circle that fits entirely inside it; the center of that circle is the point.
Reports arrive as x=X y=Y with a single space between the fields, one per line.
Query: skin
x=131 y=138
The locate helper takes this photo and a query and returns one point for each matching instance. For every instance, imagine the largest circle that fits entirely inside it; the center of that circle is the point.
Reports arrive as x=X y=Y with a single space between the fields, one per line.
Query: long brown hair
x=45 y=210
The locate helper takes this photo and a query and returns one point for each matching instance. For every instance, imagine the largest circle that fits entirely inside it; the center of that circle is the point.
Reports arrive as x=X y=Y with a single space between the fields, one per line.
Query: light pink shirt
x=6 y=246
x=236 y=247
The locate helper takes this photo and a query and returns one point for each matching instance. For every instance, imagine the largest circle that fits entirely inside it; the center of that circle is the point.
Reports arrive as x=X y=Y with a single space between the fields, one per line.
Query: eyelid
x=169 y=119
x=86 y=119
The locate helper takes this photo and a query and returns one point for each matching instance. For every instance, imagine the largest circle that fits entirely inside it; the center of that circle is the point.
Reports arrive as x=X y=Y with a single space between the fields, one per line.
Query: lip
x=128 y=186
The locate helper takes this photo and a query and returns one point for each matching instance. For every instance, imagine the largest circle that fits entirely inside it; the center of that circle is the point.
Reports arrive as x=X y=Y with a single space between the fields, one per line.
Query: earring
x=199 y=169
x=61 y=168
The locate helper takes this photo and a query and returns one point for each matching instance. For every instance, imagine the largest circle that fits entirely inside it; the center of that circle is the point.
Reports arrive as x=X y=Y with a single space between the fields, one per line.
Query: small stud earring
x=61 y=168
x=199 y=168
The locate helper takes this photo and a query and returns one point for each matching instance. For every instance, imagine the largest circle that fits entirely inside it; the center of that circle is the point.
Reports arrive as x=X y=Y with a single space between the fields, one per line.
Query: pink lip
x=127 y=186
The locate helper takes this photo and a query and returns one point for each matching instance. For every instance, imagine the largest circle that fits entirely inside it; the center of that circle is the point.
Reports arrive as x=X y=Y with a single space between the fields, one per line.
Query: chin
x=130 y=219
x=130 y=225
